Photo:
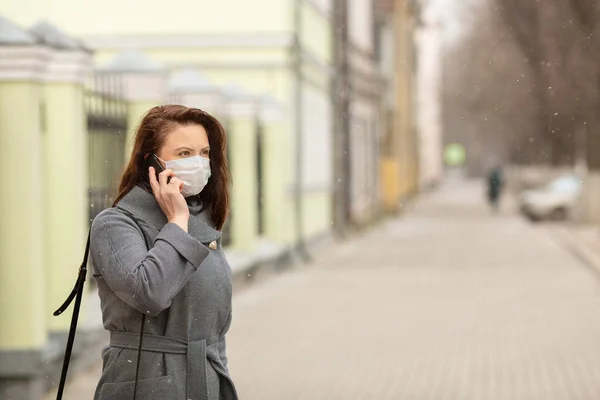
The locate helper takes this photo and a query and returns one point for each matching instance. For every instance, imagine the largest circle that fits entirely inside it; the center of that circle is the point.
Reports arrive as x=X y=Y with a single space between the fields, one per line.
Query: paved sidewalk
x=448 y=302
x=583 y=239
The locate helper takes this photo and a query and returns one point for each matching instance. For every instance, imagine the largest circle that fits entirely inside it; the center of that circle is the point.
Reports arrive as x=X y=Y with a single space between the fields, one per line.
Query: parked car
x=552 y=202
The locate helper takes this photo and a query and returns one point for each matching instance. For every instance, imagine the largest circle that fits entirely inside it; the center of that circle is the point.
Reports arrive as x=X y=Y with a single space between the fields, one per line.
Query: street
x=447 y=301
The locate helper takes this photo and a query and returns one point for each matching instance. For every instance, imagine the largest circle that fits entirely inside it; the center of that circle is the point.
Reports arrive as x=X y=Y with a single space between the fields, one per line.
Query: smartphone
x=153 y=161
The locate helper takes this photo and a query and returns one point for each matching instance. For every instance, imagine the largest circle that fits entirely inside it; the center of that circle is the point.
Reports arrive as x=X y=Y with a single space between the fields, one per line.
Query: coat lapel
x=143 y=206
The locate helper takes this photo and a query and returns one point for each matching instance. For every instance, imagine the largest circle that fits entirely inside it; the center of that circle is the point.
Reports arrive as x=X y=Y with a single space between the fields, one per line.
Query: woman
x=163 y=280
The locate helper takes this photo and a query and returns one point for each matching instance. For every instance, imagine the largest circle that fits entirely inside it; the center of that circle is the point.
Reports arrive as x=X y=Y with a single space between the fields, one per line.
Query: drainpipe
x=299 y=112
x=341 y=102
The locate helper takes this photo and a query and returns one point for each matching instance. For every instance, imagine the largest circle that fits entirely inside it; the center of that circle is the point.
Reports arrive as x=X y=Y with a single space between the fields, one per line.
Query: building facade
x=429 y=117
x=399 y=146
x=268 y=69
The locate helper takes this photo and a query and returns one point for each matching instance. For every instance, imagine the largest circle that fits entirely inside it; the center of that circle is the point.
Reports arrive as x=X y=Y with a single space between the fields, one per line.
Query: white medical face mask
x=193 y=171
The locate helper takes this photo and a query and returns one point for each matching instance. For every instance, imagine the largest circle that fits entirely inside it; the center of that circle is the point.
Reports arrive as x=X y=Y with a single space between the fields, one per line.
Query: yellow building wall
x=241 y=65
x=317 y=213
x=154 y=17
x=316 y=33
x=231 y=57
x=22 y=223
x=316 y=37
x=404 y=117
x=66 y=187
x=244 y=204
x=390 y=182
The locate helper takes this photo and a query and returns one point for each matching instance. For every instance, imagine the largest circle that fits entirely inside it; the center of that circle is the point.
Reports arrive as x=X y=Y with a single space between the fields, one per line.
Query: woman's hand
x=169 y=197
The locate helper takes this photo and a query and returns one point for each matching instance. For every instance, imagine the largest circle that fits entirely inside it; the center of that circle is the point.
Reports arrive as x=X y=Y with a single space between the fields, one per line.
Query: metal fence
x=107 y=131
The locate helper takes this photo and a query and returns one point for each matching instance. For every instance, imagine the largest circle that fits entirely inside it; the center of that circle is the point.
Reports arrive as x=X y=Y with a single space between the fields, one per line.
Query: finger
x=177 y=183
x=153 y=181
x=163 y=176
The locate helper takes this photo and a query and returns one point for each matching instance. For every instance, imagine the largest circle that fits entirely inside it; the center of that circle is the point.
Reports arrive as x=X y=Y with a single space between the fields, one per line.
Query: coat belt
x=197 y=352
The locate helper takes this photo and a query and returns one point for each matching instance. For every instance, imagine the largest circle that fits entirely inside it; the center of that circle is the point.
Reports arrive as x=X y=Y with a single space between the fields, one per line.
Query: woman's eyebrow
x=183 y=148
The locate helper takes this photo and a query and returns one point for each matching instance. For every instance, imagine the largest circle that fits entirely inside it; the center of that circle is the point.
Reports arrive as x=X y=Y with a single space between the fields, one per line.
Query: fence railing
x=106 y=111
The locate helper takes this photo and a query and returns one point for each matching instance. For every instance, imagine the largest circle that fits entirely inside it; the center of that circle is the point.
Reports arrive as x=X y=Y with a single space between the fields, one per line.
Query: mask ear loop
x=163 y=161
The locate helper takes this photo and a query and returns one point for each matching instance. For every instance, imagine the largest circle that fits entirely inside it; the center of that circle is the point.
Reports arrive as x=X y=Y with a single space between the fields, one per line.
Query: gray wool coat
x=143 y=264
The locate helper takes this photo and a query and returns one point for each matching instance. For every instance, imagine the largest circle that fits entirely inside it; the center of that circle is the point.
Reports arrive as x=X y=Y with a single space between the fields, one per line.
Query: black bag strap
x=139 y=357
x=77 y=294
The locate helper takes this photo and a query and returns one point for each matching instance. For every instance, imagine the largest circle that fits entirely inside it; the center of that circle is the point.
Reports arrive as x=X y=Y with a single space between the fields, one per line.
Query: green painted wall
x=65 y=199
x=274 y=174
x=240 y=65
x=244 y=199
x=22 y=291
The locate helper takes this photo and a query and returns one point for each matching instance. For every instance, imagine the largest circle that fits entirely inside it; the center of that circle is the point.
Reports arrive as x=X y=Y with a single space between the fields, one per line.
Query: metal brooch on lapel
x=213 y=245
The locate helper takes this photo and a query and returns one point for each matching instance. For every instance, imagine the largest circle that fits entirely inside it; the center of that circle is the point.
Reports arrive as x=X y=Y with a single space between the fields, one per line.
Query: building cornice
x=242 y=108
x=178 y=41
x=142 y=86
x=23 y=63
x=68 y=66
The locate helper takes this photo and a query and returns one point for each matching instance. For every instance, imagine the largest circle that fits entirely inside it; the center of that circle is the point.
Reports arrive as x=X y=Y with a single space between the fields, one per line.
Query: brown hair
x=150 y=136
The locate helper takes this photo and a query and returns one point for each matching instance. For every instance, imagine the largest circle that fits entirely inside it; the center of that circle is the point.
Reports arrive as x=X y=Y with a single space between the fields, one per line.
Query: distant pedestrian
x=495 y=184
x=163 y=280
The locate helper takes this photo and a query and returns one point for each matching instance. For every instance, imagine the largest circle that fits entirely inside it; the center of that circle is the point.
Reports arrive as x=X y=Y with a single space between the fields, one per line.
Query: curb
x=279 y=261
x=86 y=353
x=582 y=252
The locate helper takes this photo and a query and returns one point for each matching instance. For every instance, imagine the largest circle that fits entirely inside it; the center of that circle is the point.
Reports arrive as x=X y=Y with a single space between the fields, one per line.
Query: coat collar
x=143 y=206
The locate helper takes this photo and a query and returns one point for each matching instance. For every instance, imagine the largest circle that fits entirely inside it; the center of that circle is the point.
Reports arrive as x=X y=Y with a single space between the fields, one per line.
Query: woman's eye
x=184 y=153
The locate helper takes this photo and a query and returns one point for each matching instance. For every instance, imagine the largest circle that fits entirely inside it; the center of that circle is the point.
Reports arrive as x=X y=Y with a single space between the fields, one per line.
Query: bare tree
x=488 y=99
x=558 y=39
x=587 y=13
x=528 y=76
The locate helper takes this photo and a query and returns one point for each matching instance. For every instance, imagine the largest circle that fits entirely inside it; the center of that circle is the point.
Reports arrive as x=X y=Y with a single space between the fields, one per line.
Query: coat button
x=213 y=245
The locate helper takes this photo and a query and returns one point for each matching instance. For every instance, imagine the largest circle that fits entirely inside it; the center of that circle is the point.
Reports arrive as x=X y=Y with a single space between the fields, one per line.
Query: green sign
x=455 y=155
